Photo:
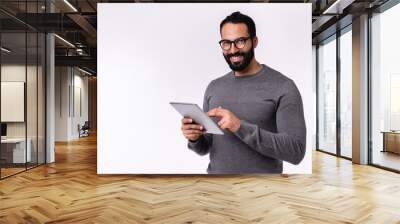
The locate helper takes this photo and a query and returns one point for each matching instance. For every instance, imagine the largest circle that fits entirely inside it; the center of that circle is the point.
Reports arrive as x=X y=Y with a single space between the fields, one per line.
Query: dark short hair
x=238 y=17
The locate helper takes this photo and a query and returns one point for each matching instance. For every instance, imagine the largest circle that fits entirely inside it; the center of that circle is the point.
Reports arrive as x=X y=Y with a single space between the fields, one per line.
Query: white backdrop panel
x=151 y=54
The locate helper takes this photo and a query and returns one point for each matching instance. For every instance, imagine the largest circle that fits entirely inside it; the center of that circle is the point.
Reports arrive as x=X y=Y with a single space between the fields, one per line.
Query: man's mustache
x=235 y=55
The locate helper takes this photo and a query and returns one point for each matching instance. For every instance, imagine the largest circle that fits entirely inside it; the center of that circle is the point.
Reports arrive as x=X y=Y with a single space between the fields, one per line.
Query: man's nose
x=233 y=49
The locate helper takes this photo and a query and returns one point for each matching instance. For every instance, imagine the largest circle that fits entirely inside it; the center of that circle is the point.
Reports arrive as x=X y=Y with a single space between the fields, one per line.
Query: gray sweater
x=272 y=127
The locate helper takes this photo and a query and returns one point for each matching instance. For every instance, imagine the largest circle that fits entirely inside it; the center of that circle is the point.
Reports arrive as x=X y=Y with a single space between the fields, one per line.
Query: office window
x=346 y=93
x=327 y=96
x=385 y=88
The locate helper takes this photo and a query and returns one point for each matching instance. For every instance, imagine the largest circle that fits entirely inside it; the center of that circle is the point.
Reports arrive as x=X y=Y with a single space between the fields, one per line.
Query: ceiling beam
x=85 y=25
x=84 y=61
x=337 y=6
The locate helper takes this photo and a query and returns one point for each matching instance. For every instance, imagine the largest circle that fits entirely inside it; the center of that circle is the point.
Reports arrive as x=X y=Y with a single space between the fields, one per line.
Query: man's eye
x=240 y=41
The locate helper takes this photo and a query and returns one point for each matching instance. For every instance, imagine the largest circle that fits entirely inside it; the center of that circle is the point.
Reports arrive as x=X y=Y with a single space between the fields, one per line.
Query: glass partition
x=32 y=95
x=41 y=107
x=14 y=153
x=22 y=101
x=327 y=96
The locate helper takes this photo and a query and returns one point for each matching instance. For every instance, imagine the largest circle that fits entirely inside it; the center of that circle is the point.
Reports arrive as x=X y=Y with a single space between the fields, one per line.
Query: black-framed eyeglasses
x=239 y=43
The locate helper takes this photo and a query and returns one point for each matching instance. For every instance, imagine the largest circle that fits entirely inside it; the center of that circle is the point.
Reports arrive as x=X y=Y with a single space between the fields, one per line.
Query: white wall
x=170 y=52
x=61 y=103
x=68 y=81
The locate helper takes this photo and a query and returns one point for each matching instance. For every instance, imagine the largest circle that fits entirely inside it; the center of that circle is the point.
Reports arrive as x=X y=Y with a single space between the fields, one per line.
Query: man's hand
x=191 y=130
x=228 y=120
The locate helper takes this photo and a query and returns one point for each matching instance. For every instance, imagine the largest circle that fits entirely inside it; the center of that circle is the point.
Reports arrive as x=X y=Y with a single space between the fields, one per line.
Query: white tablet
x=198 y=115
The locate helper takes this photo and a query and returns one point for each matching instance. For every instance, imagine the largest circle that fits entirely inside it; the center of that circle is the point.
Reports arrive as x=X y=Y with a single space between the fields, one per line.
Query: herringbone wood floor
x=70 y=191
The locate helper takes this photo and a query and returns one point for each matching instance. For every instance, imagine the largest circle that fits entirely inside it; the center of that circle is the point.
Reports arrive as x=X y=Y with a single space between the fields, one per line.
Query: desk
x=13 y=150
x=391 y=141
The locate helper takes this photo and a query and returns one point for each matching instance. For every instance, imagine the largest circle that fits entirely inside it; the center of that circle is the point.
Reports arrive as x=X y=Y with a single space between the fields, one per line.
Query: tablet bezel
x=200 y=117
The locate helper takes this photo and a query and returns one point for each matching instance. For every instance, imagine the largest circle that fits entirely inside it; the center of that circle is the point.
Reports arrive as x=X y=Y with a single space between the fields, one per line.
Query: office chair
x=84 y=130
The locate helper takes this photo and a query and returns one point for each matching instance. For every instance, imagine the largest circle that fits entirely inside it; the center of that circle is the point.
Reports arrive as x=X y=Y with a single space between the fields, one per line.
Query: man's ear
x=255 y=42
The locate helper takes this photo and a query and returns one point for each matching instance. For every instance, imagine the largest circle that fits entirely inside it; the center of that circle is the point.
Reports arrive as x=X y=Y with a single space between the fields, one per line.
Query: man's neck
x=253 y=68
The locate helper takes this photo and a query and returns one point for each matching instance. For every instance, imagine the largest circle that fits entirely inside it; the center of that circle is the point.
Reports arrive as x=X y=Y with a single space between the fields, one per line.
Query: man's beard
x=247 y=56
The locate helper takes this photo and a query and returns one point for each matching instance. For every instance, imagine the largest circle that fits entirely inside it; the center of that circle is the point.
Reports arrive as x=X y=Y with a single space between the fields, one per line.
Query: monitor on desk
x=3 y=130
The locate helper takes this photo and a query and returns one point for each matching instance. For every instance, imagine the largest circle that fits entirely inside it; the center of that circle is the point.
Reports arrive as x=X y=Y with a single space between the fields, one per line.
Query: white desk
x=19 y=149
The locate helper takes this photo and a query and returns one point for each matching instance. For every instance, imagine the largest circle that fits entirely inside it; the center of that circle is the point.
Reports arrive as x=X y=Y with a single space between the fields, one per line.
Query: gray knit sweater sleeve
x=289 y=143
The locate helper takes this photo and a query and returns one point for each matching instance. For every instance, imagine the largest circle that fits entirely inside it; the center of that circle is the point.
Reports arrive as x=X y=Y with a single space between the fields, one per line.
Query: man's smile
x=236 y=59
